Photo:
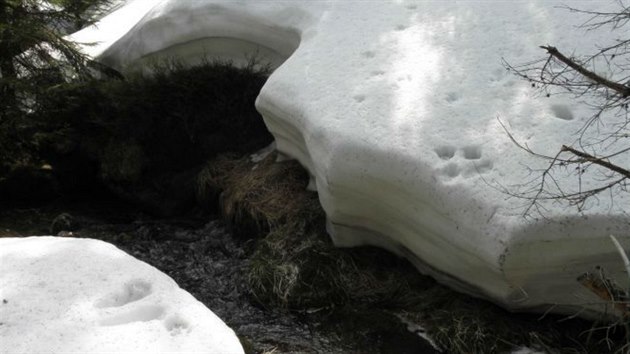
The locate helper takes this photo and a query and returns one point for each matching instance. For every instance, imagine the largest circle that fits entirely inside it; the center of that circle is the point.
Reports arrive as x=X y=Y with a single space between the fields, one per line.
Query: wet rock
x=64 y=222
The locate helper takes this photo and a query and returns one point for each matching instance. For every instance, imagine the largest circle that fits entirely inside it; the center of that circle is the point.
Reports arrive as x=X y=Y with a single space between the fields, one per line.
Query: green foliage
x=145 y=136
x=176 y=118
x=35 y=57
x=80 y=13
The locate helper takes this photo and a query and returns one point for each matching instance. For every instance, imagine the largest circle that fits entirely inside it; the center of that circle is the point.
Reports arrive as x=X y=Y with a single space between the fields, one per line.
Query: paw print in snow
x=467 y=161
x=126 y=306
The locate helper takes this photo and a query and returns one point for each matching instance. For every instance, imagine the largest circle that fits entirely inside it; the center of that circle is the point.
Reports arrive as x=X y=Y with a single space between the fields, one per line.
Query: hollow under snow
x=394 y=109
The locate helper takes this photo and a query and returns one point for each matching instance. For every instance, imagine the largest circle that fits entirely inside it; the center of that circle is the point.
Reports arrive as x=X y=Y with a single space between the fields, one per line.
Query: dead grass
x=255 y=198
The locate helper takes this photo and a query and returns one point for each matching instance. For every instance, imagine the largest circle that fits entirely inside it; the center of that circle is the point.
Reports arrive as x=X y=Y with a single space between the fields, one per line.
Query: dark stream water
x=201 y=255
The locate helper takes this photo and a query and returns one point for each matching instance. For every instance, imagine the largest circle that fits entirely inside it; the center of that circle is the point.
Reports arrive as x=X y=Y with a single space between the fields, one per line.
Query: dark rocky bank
x=203 y=257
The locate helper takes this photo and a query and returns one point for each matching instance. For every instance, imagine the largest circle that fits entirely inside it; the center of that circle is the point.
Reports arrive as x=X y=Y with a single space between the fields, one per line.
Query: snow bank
x=393 y=106
x=67 y=295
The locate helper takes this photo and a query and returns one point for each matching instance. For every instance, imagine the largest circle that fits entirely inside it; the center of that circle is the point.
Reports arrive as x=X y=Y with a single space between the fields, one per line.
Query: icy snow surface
x=67 y=295
x=393 y=107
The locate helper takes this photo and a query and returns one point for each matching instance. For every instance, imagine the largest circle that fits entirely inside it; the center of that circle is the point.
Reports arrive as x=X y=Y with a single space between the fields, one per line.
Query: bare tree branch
x=587 y=167
x=596 y=160
x=620 y=88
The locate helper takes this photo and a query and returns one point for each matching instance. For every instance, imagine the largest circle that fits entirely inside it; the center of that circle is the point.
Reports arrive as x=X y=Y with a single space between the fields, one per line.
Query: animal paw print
x=126 y=306
x=562 y=111
x=132 y=291
x=466 y=162
x=176 y=325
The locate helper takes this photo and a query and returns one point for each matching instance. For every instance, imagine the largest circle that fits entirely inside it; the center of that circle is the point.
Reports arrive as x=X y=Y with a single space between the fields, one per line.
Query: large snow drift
x=393 y=107
x=67 y=295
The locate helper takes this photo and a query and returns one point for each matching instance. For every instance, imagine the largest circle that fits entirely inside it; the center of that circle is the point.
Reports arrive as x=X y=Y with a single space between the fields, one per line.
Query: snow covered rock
x=67 y=295
x=392 y=107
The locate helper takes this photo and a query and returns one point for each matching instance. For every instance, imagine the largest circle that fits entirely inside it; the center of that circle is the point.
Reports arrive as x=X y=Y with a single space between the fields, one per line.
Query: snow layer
x=68 y=295
x=393 y=107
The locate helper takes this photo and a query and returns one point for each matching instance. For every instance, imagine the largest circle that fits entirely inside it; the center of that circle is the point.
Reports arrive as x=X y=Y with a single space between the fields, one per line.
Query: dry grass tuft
x=254 y=198
x=294 y=264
